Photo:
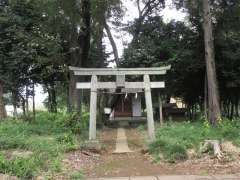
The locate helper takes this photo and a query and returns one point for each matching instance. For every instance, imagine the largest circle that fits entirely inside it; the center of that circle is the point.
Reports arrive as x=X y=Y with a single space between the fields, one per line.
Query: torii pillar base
x=92 y=145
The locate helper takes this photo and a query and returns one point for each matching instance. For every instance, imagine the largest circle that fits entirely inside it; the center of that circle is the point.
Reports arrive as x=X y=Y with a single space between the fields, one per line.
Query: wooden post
x=160 y=109
x=148 y=97
x=93 y=108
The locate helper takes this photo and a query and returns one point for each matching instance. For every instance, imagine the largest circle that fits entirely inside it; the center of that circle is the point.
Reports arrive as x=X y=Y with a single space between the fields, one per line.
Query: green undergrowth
x=173 y=139
x=47 y=138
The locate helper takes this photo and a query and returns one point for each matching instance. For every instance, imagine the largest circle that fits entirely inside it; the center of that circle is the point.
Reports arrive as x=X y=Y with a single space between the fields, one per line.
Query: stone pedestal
x=93 y=145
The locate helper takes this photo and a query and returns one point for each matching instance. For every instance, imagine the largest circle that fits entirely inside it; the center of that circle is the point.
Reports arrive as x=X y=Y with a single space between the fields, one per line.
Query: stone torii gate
x=120 y=74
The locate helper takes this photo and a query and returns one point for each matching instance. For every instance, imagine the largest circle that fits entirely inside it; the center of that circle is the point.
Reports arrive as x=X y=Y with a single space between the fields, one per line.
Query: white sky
x=168 y=14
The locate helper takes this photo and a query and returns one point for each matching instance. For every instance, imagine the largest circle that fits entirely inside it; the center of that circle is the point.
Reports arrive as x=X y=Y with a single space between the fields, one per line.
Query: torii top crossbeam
x=120 y=71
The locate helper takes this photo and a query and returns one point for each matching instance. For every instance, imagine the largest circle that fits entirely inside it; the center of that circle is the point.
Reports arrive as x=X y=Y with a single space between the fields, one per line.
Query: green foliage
x=77 y=175
x=55 y=165
x=47 y=137
x=170 y=150
x=66 y=138
x=19 y=166
x=174 y=138
x=75 y=122
x=23 y=167
x=29 y=51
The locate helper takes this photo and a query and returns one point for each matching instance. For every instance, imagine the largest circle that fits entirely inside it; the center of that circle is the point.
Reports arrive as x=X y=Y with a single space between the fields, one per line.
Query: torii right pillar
x=148 y=99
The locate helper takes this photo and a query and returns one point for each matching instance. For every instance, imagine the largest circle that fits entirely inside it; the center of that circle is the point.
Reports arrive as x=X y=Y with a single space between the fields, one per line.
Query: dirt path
x=136 y=163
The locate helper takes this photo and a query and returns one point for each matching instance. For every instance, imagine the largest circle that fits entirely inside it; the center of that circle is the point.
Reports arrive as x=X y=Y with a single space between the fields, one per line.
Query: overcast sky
x=168 y=14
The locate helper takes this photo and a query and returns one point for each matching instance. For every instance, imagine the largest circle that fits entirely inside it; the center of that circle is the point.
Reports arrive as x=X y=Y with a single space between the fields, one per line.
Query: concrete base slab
x=111 y=178
x=121 y=142
x=174 y=177
x=144 y=178
x=116 y=178
x=226 y=177
x=196 y=177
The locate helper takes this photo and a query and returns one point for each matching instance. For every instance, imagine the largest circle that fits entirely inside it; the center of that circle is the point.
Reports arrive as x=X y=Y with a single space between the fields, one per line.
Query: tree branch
x=113 y=44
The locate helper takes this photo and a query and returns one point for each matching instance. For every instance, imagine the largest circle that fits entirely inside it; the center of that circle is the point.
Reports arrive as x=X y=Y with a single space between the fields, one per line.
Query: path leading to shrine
x=121 y=142
x=138 y=163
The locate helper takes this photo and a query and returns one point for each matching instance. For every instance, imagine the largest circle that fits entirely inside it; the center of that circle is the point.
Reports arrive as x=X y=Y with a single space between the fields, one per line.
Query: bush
x=23 y=167
x=66 y=138
x=76 y=175
x=19 y=166
x=78 y=124
x=4 y=164
x=170 y=151
x=48 y=137
x=174 y=138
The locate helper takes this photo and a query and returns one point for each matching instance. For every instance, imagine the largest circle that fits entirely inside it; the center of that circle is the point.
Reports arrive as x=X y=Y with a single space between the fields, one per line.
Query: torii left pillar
x=148 y=99
x=93 y=109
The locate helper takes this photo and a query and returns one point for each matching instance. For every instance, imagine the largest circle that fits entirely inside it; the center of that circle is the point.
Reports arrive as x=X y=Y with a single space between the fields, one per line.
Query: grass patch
x=76 y=175
x=48 y=137
x=174 y=138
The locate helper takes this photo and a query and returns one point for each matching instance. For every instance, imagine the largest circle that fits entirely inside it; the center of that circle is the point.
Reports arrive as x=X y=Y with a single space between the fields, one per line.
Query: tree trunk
x=232 y=110
x=33 y=101
x=52 y=102
x=71 y=93
x=213 y=99
x=79 y=58
x=113 y=44
x=215 y=145
x=27 y=102
x=79 y=101
x=236 y=104
x=68 y=100
x=228 y=108
x=86 y=34
x=23 y=105
x=75 y=60
x=2 y=106
x=160 y=109
x=206 y=98
x=14 y=101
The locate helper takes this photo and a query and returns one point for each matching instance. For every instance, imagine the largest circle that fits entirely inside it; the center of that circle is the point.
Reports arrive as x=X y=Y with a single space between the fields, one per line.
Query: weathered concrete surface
x=113 y=178
x=183 y=177
x=148 y=99
x=121 y=142
x=174 y=177
x=144 y=178
x=226 y=177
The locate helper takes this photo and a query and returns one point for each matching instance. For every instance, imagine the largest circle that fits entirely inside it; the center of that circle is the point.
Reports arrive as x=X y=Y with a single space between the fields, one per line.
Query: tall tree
x=79 y=44
x=2 y=105
x=213 y=95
